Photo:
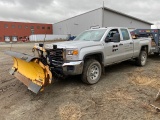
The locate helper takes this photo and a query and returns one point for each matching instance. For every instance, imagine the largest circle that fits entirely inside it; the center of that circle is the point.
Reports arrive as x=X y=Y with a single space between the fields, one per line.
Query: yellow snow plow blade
x=30 y=70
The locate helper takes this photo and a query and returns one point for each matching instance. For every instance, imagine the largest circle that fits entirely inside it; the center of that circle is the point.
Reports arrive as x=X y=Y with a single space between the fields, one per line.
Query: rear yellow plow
x=31 y=71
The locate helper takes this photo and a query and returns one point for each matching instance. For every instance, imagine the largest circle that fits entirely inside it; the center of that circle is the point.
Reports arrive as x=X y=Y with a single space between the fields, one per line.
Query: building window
x=38 y=27
x=48 y=28
x=6 y=26
x=26 y=27
x=32 y=27
x=43 y=27
x=19 y=26
x=13 y=26
x=32 y=31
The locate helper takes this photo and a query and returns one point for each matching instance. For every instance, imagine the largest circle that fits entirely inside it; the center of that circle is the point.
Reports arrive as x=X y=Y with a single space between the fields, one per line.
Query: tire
x=142 y=59
x=92 y=72
x=157 y=54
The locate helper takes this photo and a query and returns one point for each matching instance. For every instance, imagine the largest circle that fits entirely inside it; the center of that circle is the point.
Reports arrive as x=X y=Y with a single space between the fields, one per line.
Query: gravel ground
x=123 y=93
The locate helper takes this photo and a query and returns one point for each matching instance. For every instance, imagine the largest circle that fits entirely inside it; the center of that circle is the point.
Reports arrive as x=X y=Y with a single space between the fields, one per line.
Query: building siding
x=99 y=17
x=22 y=30
x=79 y=23
x=118 y=20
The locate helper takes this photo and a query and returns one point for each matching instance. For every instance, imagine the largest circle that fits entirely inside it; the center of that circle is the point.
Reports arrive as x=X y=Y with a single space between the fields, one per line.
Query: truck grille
x=57 y=57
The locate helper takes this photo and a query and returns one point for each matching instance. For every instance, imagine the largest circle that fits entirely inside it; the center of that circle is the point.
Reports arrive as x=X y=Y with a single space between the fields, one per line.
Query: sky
x=52 y=11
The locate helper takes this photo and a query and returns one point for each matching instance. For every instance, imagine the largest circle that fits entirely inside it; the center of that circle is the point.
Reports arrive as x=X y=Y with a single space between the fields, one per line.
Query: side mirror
x=107 y=39
x=116 y=37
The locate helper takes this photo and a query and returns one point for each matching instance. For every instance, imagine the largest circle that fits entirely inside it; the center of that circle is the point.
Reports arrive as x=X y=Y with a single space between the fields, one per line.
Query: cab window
x=125 y=34
x=91 y=35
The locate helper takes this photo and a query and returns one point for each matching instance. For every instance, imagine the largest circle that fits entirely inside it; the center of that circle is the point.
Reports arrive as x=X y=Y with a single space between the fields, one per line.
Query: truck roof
x=107 y=28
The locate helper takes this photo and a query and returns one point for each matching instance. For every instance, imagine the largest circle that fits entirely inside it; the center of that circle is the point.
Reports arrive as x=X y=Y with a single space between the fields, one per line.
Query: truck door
x=113 y=50
x=127 y=43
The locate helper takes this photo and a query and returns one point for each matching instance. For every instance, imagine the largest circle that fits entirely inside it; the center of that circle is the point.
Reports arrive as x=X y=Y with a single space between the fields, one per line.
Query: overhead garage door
x=14 y=38
x=7 y=39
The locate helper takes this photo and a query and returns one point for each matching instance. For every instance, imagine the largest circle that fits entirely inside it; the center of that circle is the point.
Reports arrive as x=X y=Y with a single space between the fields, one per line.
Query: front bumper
x=73 y=68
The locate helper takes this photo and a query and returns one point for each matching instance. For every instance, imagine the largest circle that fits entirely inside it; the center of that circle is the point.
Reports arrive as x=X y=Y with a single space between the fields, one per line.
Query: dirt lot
x=123 y=93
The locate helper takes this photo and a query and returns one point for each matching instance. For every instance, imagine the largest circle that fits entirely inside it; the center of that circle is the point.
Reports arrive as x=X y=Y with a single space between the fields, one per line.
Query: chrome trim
x=78 y=68
x=72 y=63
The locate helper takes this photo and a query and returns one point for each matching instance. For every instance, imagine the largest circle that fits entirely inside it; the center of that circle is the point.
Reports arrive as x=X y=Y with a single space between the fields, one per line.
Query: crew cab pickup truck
x=94 y=49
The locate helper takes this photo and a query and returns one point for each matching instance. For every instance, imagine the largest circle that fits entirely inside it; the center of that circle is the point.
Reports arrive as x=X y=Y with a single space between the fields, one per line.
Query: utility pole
x=103 y=4
x=103 y=15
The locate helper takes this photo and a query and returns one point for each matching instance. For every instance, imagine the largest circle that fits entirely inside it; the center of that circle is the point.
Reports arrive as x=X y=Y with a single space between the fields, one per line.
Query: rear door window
x=125 y=34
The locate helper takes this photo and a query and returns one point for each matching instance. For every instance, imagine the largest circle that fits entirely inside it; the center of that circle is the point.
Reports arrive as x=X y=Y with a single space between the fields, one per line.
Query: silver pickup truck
x=94 y=49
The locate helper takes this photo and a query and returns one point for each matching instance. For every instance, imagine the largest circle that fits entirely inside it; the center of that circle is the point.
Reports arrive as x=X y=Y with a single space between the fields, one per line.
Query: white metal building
x=101 y=17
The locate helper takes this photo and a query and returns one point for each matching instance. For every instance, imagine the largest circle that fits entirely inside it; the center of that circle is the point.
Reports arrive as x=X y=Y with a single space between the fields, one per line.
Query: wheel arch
x=96 y=55
x=145 y=48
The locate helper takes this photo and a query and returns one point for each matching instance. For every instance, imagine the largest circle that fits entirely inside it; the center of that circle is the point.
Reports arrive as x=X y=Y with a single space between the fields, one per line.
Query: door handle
x=131 y=43
x=120 y=44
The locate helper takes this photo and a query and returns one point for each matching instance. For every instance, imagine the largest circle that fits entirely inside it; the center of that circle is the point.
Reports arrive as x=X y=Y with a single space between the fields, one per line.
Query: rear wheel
x=142 y=59
x=157 y=54
x=91 y=72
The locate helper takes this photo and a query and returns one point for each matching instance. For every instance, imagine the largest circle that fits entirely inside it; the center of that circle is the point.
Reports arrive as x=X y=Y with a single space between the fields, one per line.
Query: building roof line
x=127 y=15
x=77 y=15
x=111 y=11
x=25 y=22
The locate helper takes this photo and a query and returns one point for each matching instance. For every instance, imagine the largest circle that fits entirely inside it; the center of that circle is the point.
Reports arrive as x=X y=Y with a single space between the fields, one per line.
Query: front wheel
x=142 y=59
x=91 y=72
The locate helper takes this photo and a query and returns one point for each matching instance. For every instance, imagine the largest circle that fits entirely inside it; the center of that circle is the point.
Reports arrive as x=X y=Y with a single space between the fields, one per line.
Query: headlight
x=72 y=52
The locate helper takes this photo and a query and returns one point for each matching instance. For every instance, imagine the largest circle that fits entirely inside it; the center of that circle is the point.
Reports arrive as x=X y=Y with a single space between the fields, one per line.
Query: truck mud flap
x=30 y=71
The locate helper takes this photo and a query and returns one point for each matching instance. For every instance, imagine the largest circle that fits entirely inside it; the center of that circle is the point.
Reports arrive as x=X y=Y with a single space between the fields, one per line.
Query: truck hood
x=73 y=44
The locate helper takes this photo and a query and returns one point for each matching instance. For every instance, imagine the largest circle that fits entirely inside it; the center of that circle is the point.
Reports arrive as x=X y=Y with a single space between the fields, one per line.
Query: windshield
x=91 y=35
